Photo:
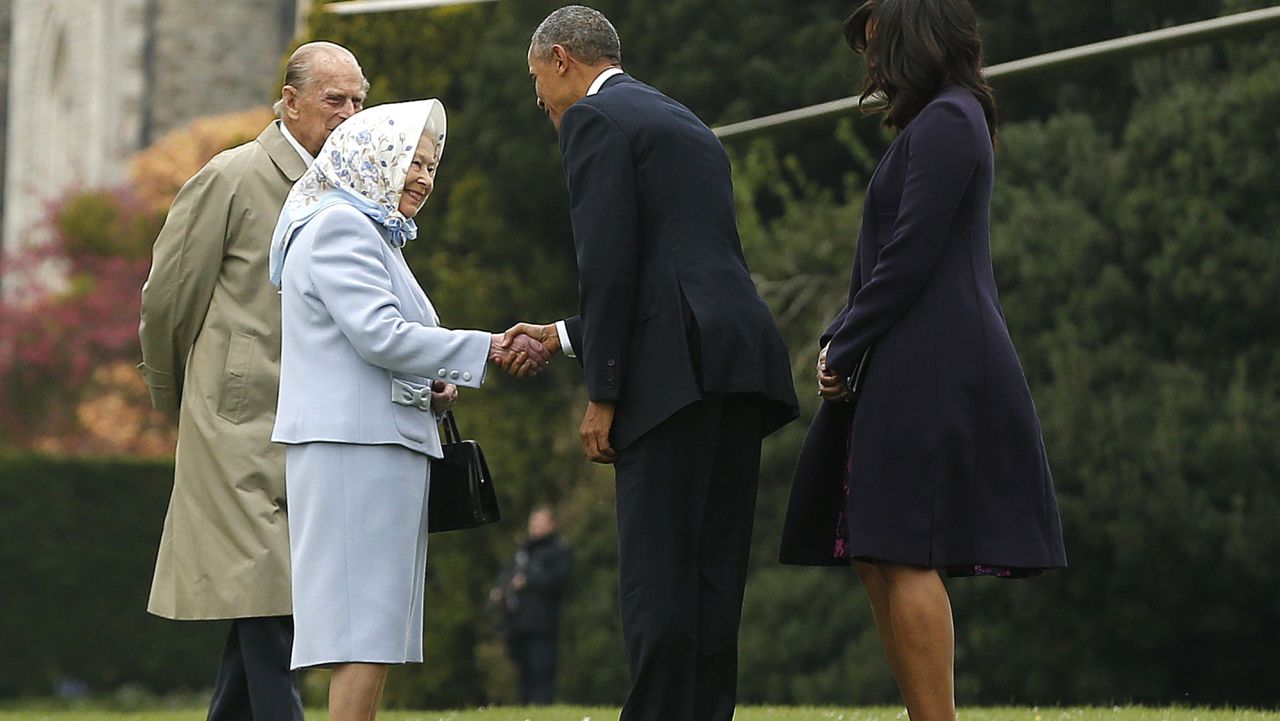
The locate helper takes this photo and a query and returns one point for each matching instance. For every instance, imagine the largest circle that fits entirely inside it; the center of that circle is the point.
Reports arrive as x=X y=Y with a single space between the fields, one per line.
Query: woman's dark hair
x=916 y=47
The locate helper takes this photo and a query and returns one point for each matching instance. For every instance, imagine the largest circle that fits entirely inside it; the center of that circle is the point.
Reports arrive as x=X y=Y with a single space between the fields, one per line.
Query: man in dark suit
x=686 y=371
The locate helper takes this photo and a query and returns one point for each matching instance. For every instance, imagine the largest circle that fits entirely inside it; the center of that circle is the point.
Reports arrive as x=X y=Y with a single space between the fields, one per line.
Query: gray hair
x=299 y=70
x=586 y=33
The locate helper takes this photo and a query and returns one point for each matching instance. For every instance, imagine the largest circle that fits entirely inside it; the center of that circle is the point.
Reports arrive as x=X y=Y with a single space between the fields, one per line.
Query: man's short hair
x=586 y=33
x=301 y=65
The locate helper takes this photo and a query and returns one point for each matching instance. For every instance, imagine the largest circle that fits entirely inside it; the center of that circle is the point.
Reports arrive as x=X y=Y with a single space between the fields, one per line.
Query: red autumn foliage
x=68 y=322
x=70 y=305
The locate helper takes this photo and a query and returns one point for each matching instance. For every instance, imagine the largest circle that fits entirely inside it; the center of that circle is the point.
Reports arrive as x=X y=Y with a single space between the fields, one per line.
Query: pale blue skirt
x=358 y=545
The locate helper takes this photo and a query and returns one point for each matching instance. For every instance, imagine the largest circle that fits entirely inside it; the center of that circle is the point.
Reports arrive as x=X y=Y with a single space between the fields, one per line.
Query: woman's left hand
x=830 y=386
x=443 y=396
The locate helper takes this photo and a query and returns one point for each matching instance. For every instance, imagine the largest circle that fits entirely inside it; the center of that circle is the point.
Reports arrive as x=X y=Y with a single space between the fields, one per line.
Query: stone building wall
x=101 y=79
x=6 y=14
x=217 y=57
x=75 y=67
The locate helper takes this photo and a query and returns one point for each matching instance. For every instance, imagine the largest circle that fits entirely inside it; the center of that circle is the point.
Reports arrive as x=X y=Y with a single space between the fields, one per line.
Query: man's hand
x=596 y=425
x=521 y=356
x=830 y=386
x=544 y=334
x=443 y=396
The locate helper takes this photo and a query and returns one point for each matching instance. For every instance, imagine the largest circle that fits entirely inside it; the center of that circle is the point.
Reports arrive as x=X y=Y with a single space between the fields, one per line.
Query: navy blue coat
x=947 y=465
x=668 y=310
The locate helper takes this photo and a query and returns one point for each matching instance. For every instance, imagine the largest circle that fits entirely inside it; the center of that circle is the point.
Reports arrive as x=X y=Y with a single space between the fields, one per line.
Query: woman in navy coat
x=934 y=464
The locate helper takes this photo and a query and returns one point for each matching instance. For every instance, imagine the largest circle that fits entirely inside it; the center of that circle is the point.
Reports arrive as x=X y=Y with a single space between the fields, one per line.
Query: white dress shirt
x=603 y=76
x=561 y=331
x=306 y=157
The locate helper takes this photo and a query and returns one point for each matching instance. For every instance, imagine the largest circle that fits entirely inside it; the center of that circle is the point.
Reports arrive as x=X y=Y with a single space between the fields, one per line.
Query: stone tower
x=90 y=82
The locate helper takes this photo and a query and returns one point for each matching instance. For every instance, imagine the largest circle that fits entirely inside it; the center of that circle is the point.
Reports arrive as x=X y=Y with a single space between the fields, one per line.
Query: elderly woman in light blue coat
x=365 y=367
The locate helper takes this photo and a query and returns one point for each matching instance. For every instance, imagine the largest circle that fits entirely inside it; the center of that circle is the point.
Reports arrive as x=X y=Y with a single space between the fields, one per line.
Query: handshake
x=525 y=349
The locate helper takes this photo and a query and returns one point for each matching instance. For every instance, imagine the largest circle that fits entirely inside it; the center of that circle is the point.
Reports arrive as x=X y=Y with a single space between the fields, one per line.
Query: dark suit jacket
x=668 y=310
x=946 y=463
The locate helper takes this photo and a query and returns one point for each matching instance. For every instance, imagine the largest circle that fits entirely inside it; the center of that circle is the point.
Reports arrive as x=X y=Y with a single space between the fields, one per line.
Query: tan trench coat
x=210 y=337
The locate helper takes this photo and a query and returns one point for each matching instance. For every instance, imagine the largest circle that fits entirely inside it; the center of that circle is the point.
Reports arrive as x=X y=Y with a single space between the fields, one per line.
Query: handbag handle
x=451 y=434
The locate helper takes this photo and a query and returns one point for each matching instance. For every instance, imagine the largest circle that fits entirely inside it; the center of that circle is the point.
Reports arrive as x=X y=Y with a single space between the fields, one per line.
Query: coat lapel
x=281 y=152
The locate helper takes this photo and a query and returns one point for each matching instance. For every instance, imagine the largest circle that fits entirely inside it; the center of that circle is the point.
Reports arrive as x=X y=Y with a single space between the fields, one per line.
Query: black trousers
x=686 y=504
x=254 y=681
x=534 y=656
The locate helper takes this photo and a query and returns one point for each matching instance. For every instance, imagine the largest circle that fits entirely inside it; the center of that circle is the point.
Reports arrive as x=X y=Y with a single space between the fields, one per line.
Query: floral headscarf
x=364 y=163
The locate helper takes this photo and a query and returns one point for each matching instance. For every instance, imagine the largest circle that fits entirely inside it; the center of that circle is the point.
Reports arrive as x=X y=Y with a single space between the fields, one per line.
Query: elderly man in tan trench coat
x=210 y=336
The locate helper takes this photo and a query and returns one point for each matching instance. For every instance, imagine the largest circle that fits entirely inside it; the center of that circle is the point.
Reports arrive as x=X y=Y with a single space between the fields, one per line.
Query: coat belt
x=410 y=394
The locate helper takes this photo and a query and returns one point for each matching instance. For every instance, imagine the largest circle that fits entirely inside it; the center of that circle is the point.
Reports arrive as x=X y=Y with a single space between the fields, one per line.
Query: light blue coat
x=358 y=331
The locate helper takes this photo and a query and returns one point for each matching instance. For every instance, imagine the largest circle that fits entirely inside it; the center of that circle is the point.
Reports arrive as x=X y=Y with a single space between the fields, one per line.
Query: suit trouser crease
x=254 y=681
x=686 y=505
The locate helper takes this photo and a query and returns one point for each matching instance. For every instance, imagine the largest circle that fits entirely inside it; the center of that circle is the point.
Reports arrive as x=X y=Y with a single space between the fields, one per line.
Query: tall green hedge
x=78 y=541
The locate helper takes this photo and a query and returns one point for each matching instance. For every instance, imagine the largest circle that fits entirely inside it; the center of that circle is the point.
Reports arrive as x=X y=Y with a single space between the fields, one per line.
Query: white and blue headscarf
x=364 y=163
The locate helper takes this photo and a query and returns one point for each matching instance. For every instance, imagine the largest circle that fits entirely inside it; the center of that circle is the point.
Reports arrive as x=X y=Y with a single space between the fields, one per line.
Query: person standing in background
x=530 y=592
x=210 y=336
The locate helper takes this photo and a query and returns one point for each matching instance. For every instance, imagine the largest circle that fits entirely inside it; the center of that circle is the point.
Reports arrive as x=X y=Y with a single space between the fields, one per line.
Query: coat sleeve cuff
x=164 y=395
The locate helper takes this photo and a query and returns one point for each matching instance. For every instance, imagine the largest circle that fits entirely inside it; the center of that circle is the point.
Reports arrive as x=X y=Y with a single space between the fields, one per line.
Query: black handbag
x=853 y=384
x=462 y=493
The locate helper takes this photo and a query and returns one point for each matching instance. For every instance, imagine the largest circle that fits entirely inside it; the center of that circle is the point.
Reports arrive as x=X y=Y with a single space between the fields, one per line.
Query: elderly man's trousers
x=254 y=680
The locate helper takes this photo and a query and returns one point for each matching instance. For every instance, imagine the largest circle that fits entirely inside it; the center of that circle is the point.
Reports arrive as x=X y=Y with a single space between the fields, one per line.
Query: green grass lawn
x=748 y=713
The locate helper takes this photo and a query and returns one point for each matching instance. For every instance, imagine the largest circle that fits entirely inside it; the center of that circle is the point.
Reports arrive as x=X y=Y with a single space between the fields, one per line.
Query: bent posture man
x=210 y=337
x=686 y=370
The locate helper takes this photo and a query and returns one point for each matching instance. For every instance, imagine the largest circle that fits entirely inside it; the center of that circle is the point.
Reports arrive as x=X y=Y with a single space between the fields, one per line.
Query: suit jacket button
x=454 y=375
x=466 y=376
x=611 y=363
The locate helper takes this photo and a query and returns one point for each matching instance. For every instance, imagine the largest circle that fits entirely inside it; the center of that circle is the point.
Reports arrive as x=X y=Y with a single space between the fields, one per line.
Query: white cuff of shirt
x=565 y=345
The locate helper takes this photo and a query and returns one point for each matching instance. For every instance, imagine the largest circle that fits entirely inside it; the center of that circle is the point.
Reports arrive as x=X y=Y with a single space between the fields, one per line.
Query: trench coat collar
x=281 y=152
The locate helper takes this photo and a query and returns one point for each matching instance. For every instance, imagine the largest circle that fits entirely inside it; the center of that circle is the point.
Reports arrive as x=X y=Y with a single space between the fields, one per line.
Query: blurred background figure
x=529 y=592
